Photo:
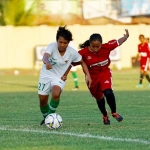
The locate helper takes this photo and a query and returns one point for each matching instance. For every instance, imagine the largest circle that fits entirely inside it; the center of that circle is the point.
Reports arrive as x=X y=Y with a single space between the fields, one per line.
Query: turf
x=82 y=128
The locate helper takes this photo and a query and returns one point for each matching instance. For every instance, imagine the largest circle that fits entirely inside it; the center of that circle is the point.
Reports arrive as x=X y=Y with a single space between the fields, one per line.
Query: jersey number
x=41 y=86
x=52 y=61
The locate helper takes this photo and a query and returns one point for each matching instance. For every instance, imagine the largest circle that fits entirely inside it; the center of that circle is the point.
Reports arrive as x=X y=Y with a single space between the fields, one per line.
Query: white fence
x=17 y=44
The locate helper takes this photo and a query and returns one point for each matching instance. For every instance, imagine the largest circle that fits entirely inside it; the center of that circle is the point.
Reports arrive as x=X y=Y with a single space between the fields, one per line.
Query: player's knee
x=145 y=73
x=108 y=92
x=56 y=91
x=56 y=95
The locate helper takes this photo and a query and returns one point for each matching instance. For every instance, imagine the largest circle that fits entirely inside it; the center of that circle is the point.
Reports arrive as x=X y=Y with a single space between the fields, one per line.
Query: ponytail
x=85 y=44
x=93 y=37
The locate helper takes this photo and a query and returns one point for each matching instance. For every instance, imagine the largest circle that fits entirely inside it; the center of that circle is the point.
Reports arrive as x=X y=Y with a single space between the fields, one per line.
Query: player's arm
x=76 y=63
x=124 y=38
x=138 y=56
x=64 y=77
x=86 y=71
x=46 y=61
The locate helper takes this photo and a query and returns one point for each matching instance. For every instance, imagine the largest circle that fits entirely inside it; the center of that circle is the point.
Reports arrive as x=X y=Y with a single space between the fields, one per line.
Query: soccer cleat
x=75 y=88
x=106 y=120
x=139 y=86
x=117 y=116
x=42 y=122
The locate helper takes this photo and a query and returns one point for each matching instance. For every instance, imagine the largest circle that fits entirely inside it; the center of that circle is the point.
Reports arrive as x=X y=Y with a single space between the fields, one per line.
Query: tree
x=14 y=12
x=2 y=22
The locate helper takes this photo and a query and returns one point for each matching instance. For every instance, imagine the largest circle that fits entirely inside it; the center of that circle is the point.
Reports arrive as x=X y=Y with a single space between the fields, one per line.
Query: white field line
x=86 y=135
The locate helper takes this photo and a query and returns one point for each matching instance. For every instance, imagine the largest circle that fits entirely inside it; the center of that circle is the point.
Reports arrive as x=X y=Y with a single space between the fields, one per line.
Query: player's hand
x=48 y=66
x=88 y=80
x=127 y=33
x=64 y=78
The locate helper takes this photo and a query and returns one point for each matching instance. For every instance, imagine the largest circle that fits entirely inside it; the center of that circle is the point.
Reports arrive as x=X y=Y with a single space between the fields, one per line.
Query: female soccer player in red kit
x=96 y=56
x=144 y=53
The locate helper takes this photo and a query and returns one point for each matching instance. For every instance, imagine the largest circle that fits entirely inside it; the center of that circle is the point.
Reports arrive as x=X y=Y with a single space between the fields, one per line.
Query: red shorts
x=144 y=63
x=100 y=81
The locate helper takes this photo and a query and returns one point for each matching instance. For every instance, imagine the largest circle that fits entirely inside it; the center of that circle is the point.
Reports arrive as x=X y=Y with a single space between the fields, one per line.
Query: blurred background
x=28 y=26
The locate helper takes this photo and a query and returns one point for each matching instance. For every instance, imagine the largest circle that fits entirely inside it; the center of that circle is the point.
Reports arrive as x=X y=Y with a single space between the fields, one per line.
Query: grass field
x=82 y=128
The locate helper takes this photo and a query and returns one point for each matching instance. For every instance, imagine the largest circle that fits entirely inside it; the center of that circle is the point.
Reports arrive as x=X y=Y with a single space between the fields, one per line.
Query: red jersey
x=98 y=65
x=144 y=51
x=98 y=61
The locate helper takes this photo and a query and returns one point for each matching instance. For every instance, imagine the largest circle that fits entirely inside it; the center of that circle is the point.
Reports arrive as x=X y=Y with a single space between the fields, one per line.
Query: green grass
x=82 y=128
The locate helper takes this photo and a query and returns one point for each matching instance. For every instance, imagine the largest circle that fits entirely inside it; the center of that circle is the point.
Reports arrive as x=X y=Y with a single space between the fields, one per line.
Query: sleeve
x=77 y=57
x=80 y=52
x=111 y=45
x=50 y=48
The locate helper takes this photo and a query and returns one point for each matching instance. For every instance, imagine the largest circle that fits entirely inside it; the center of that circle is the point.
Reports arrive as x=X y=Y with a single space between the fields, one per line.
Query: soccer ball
x=53 y=121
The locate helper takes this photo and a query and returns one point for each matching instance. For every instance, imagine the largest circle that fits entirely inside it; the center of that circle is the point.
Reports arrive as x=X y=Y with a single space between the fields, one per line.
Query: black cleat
x=42 y=122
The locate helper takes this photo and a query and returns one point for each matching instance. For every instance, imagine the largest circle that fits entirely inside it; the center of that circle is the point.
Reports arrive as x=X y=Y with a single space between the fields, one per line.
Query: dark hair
x=93 y=37
x=65 y=33
x=85 y=44
x=141 y=35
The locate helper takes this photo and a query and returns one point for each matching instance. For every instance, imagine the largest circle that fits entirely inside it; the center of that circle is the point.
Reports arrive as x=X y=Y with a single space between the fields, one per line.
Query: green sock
x=53 y=105
x=75 y=79
x=45 y=110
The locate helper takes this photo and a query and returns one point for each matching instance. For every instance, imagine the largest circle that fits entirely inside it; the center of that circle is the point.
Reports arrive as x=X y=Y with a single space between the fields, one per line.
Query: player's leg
x=43 y=92
x=102 y=108
x=106 y=86
x=110 y=97
x=54 y=102
x=100 y=100
x=75 y=77
x=143 y=67
x=139 y=85
x=57 y=86
x=147 y=77
x=44 y=107
x=141 y=78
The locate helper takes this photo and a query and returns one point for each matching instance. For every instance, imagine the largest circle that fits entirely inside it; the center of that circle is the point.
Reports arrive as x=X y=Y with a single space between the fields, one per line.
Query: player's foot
x=106 y=120
x=42 y=122
x=117 y=116
x=75 y=88
x=139 y=86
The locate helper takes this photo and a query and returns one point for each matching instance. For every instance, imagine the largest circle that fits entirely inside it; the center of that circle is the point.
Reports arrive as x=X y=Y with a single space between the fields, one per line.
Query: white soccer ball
x=53 y=121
